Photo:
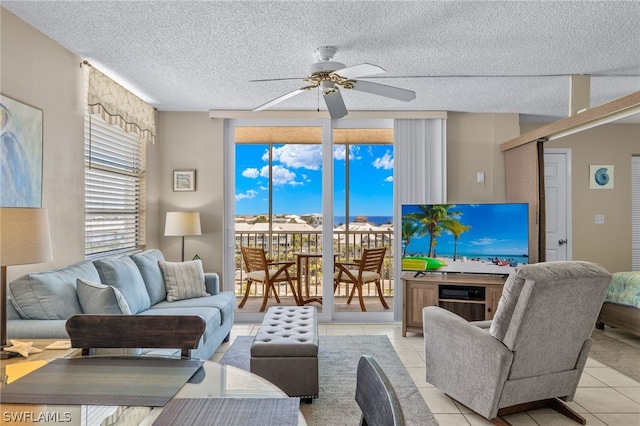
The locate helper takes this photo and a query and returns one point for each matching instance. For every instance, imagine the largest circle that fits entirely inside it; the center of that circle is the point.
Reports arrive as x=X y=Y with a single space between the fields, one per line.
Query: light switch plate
x=599 y=219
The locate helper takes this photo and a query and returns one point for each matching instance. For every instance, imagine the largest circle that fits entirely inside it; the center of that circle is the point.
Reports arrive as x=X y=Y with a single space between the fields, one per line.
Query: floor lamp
x=24 y=239
x=181 y=224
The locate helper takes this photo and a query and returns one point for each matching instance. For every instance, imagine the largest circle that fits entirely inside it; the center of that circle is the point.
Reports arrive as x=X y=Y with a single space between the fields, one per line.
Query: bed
x=621 y=308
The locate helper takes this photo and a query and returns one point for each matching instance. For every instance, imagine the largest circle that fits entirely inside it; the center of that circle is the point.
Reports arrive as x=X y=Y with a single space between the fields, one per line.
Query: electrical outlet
x=599 y=219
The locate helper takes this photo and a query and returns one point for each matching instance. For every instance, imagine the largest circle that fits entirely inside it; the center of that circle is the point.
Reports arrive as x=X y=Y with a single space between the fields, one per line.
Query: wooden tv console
x=473 y=297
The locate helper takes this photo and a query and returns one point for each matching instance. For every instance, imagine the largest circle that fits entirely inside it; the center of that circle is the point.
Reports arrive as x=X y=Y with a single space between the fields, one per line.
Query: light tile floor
x=604 y=395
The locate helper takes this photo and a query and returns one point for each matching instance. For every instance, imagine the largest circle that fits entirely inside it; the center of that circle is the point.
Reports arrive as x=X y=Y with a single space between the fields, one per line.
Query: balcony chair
x=375 y=395
x=534 y=350
x=357 y=273
x=266 y=271
x=90 y=332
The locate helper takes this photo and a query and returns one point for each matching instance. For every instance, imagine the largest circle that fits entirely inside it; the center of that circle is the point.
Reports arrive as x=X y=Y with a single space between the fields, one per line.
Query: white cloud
x=483 y=241
x=389 y=179
x=298 y=156
x=251 y=172
x=247 y=195
x=281 y=175
x=385 y=162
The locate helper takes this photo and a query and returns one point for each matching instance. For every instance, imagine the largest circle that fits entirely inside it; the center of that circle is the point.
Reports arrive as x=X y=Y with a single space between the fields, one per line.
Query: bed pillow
x=184 y=280
x=100 y=299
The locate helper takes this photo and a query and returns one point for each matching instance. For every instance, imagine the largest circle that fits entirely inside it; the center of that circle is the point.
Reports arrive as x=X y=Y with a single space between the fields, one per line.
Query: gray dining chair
x=91 y=332
x=375 y=395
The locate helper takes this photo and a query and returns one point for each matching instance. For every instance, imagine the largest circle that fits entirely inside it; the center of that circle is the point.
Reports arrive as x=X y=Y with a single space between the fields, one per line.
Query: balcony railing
x=281 y=245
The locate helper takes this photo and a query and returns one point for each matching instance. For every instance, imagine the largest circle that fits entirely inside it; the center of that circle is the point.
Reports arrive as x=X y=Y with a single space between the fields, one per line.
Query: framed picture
x=184 y=180
x=21 y=160
x=600 y=176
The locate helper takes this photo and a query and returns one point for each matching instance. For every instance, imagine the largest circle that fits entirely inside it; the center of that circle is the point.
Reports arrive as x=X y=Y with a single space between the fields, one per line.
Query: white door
x=557 y=169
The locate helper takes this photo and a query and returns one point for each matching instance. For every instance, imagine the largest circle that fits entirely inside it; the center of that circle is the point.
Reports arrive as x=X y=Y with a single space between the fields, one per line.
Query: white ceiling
x=201 y=55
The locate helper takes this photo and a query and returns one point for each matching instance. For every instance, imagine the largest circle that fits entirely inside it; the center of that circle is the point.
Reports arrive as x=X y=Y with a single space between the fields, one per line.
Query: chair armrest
x=344 y=264
x=463 y=359
x=212 y=282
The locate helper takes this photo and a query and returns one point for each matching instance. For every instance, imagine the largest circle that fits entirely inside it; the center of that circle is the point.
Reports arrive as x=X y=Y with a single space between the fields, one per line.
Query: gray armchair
x=533 y=352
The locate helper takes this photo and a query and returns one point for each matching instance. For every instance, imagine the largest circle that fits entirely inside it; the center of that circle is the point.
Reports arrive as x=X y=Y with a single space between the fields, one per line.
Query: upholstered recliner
x=533 y=352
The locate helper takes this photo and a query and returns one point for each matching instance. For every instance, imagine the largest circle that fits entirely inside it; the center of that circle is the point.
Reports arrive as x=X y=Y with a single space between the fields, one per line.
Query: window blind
x=635 y=213
x=114 y=188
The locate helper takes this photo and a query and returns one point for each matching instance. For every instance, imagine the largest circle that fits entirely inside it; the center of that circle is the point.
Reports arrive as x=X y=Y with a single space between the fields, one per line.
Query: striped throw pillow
x=184 y=280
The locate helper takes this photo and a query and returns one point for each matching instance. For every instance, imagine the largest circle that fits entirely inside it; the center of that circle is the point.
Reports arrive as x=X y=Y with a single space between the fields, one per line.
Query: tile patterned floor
x=604 y=397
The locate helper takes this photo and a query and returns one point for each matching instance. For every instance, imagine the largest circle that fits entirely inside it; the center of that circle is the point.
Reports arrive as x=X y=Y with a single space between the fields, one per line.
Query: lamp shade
x=180 y=224
x=24 y=236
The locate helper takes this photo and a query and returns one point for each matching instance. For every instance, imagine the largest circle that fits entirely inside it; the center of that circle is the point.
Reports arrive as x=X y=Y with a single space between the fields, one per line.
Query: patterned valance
x=116 y=105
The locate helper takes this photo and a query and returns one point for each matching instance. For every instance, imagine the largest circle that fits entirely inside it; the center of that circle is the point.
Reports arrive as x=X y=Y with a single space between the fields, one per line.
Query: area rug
x=337 y=361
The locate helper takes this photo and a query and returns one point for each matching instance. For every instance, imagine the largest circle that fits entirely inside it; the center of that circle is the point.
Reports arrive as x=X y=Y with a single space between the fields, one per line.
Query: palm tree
x=409 y=229
x=433 y=218
x=456 y=229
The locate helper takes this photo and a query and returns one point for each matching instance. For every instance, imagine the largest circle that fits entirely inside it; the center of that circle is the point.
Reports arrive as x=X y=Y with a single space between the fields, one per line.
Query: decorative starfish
x=23 y=348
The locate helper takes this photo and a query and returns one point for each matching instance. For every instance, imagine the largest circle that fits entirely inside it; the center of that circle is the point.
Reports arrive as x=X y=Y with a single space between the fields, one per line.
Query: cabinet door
x=493 y=295
x=420 y=295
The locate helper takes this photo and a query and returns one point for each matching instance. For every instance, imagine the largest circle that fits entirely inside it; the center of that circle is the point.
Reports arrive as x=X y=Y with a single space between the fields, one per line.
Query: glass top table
x=214 y=380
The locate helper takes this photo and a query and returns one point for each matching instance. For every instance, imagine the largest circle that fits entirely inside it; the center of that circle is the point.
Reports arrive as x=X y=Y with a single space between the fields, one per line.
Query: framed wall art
x=184 y=180
x=21 y=160
x=600 y=176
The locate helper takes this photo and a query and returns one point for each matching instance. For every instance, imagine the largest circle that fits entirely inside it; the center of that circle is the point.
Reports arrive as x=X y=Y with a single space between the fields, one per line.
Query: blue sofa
x=143 y=283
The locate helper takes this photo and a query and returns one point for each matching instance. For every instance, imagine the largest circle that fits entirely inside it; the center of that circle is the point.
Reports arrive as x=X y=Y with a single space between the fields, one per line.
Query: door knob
x=562 y=241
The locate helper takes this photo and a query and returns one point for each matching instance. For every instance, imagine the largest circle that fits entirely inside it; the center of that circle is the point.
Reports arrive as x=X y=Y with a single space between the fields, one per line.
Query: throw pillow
x=184 y=280
x=123 y=274
x=51 y=295
x=101 y=299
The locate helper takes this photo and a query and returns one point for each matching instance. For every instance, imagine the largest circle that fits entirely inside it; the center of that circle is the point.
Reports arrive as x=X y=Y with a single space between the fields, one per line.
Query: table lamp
x=24 y=239
x=181 y=224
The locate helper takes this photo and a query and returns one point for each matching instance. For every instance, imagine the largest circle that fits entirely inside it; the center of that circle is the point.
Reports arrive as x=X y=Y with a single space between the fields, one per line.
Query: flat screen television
x=465 y=238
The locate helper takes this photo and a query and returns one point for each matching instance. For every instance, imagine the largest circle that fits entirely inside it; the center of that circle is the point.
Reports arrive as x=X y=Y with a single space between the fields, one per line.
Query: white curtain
x=420 y=163
x=420 y=177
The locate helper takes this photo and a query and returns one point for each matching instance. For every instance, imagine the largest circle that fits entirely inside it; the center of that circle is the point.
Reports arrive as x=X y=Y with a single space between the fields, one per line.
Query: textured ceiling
x=201 y=55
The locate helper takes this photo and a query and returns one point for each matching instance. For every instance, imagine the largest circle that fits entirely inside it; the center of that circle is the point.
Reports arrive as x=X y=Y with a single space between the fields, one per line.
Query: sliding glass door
x=312 y=192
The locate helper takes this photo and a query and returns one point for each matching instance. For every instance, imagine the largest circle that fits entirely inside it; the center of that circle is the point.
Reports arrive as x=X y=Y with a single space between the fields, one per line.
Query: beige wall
x=608 y=244
x=473 y=145
x=37 y=71
x=186 y=141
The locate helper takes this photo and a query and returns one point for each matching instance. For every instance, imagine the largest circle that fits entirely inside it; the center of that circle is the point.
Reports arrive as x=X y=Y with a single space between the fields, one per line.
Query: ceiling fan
x=330 y=75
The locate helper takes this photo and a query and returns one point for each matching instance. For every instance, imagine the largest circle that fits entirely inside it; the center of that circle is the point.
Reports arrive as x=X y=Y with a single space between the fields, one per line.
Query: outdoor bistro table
x=302 y=268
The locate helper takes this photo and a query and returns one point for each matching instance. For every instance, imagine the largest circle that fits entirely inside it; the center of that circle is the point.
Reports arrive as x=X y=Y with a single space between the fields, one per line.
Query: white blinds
x=635 y=213
x=114 y=188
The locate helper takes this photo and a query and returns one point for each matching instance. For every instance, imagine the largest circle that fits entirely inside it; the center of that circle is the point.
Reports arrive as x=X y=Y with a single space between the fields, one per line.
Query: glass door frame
x=328 y=125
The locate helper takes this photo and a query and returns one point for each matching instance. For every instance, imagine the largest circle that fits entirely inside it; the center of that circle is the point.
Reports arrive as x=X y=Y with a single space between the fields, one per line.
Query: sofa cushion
x=51 y=294
x=224 y=301
x=123 y=274
x=100 y=299
x=147 y=263
x=184 y=280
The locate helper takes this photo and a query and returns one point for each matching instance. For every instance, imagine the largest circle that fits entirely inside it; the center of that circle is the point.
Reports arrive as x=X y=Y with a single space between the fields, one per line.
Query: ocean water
x=376 y=220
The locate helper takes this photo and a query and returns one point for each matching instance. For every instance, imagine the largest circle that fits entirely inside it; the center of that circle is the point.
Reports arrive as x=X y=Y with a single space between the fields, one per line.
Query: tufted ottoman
x=285 y=350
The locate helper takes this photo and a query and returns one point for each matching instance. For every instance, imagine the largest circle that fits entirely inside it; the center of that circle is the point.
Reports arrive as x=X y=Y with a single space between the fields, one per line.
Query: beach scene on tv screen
x=470 y=238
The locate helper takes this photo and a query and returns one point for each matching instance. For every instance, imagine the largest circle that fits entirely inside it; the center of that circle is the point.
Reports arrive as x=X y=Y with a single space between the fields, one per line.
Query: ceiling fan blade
x=384 y=90
x=277 y=79
x=280 y=99
x=358 y=71
x=335 y=103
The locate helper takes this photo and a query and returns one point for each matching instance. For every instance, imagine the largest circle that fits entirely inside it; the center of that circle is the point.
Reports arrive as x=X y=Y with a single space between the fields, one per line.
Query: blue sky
x=298 y=179
x=496 y=230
